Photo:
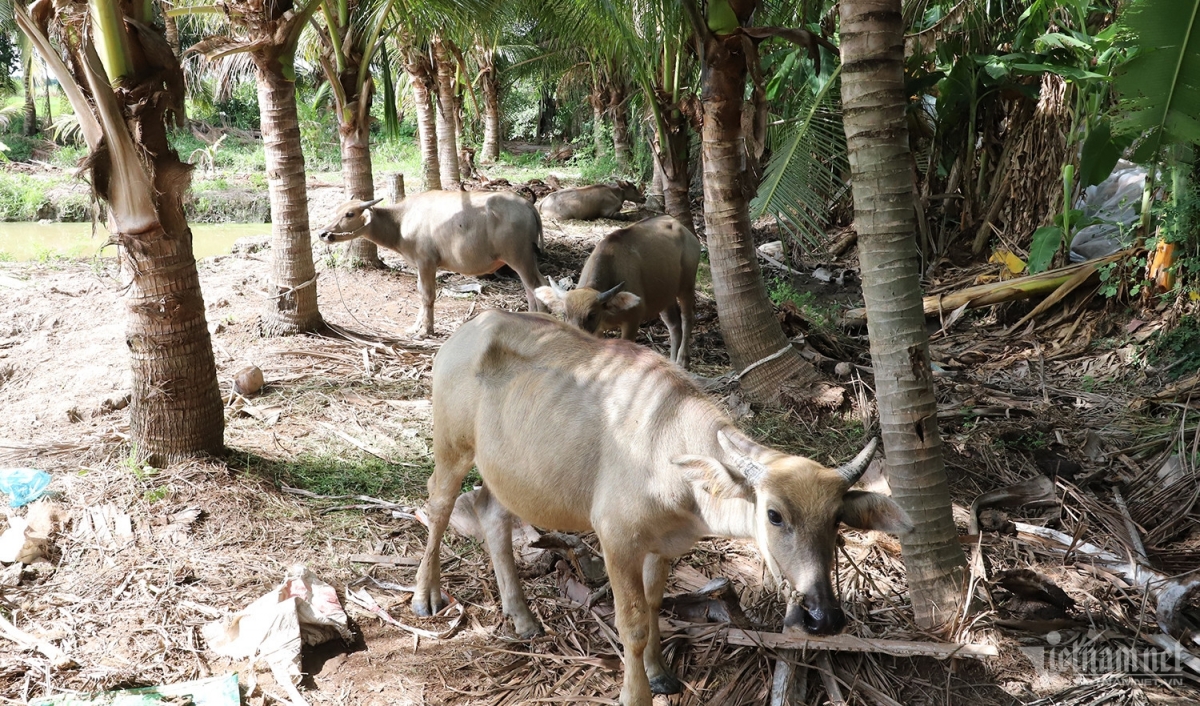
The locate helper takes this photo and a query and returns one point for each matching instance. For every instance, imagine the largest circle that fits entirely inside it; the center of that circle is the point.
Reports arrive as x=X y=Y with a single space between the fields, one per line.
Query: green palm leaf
x=803 y=174
x=1159 y=87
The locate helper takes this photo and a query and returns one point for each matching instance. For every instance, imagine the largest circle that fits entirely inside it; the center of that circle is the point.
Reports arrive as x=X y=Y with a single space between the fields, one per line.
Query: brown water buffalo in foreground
x=576 y=433
x=468 y=232
x=587 y=203
x=633 y=275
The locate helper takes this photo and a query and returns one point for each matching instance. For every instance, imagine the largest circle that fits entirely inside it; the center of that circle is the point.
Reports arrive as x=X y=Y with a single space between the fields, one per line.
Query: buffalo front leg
x=625 y=573
x=654 y=575
x=427 y=289
x=450 y=467
x=670 y=317
x=497 y=527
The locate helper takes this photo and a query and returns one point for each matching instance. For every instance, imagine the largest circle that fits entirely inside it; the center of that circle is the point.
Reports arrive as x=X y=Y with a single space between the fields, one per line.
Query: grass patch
x=783 y=290
x=349 y=473
x=834 y=440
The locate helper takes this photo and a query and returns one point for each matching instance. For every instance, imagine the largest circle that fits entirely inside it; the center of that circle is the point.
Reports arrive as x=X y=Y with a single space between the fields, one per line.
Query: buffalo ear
x=622 y=301
x=872 y=511
x=712 y=477
x=550 y=298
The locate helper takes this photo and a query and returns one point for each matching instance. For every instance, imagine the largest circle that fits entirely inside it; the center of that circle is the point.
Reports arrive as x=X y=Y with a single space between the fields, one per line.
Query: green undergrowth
x=25 y=197
x=1179 y=348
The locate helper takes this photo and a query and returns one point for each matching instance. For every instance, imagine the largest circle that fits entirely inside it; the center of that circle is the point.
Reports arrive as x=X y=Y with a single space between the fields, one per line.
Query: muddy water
x=34 y=241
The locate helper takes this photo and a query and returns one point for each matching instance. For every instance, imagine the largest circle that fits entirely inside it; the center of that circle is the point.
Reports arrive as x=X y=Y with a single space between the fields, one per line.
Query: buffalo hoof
x=666 y=683
x=426 y=605
x=530 y=632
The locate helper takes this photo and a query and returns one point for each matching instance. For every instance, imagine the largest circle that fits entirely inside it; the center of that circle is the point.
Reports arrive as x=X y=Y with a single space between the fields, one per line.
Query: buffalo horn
x=372 y=202
x=752 y=470
x=854 y=470
x=605 y=296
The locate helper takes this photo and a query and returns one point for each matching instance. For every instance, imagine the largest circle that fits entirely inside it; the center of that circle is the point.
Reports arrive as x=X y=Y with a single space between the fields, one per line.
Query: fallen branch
x=384 y=559
x=844 y=243
x=398 y=511
x=839 y=643
x=1041 y=284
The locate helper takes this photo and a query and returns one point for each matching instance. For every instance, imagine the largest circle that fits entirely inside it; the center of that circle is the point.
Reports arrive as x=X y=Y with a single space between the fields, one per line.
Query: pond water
x=34 y=241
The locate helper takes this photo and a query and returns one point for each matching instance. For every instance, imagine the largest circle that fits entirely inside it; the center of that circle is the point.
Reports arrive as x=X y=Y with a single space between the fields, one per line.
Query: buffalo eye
x=349 y=214
x=774 y=518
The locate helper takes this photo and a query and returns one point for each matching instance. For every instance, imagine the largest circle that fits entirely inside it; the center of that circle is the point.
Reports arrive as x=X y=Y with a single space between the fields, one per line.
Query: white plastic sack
x=1116 y=201
x=303 y=610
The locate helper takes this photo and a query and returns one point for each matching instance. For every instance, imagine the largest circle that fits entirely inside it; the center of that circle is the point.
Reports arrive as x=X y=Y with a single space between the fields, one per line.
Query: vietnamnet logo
x=1086 y=657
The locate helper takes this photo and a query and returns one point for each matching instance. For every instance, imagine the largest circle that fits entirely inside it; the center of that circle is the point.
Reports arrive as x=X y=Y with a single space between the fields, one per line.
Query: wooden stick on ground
x=57 y=657
x=839 y=643
x=830 y=680
x=781 y=681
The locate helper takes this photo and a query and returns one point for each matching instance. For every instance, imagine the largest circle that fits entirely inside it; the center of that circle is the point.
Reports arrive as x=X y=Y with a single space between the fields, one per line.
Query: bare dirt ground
x=340 y=416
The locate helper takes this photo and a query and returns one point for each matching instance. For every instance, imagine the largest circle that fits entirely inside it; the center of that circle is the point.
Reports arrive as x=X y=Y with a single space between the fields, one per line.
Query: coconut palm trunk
x=292 y=289
x=359 y=180
x=447 y=116
x=176 y=410
x=874 y=100
x=491 y=108
x=618 y=112
x=757 y=346
x=424 y=85
x=30 y=127
x=671 y=155
x=597 y=99
x=170 y=28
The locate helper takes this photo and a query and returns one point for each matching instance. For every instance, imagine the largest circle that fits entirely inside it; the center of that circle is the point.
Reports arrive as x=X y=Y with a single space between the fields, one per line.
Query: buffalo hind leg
x=450 y=467
x=687 y=310
x=654 y=575
x=670 y=317
x=531 y=278
x=497 y=525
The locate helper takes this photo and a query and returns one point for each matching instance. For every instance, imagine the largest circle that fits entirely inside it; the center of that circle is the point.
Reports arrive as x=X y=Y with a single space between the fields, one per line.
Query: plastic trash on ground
x=29 y=539
x=23 y=485
x=1114 y=201
x=214 y=691
x=303 y=610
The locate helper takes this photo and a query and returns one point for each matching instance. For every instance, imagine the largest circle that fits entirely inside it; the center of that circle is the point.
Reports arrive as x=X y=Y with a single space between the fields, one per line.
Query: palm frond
x=7 y=114
x=803 y=174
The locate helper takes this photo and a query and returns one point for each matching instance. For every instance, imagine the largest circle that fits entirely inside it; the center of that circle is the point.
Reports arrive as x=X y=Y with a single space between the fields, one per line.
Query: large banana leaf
x=803 y=174
x=1159 y=87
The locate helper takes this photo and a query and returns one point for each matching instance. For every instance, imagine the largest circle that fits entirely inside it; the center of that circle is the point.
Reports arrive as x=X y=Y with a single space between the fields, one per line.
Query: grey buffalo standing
x=468 y=232
x=633 y=275
x=577 y=433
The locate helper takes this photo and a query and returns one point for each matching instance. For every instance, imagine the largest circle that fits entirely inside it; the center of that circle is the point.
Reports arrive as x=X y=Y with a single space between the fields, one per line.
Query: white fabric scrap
x=303 y=610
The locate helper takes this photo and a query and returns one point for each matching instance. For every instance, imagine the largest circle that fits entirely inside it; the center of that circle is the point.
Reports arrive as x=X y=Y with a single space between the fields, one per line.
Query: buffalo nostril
x=816 y=620
x=829 y=622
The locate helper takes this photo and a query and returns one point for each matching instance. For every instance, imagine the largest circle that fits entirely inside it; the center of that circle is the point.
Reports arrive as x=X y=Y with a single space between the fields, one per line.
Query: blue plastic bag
x=24 y=485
